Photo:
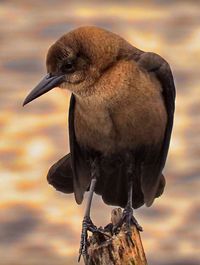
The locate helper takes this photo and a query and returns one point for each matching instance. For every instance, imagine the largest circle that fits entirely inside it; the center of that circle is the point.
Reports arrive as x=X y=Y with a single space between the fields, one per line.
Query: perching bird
x=120 y=119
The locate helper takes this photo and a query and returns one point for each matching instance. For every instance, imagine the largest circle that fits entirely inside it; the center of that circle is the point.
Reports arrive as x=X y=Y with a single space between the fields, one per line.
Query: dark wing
x=60 y=175
x=154 y=63
x=79 y=159
x=71 y=173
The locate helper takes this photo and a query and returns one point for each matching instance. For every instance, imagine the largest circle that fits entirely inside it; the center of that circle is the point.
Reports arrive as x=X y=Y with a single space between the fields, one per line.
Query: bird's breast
x=94 y=129
x=126 y=111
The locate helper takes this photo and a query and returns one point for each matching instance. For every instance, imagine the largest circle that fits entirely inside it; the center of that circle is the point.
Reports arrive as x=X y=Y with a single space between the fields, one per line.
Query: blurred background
x=39 y=225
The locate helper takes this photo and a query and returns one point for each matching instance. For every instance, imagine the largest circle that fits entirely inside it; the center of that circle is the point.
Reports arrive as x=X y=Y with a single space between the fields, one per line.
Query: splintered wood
x=117 y=249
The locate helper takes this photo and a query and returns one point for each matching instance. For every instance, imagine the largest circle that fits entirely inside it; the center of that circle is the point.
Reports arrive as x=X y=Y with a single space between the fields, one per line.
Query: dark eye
x=67 y=67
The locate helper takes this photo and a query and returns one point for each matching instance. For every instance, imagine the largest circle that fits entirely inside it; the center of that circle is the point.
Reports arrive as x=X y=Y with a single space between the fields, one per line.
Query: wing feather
x=80 y=166
x=60 y=175
x=152 y=172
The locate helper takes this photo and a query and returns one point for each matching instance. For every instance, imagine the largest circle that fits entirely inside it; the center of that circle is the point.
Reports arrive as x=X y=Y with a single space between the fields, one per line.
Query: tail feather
x=113 y=185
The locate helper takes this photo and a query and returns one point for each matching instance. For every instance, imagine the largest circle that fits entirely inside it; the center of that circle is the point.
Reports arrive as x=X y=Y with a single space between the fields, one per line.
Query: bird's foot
x=128 y=219
x=87 y=225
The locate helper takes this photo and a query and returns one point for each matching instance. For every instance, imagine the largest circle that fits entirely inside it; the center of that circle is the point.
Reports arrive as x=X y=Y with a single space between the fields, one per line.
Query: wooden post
x=117 y=249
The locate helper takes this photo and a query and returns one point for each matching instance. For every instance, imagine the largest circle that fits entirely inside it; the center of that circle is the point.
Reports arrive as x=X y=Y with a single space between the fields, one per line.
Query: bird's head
x=78 y=59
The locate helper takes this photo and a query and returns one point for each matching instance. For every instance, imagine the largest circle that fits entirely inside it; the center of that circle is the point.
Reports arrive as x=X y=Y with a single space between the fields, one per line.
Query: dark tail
x=112 y=184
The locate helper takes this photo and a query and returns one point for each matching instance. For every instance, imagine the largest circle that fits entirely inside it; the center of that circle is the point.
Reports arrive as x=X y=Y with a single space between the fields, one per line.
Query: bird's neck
x=89 y=103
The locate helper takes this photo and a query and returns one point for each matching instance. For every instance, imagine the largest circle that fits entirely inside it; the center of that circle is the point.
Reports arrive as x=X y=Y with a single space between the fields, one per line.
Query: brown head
x=79 y=58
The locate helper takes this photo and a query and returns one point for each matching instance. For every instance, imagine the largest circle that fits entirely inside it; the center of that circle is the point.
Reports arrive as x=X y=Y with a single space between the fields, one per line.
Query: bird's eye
x=68 y=67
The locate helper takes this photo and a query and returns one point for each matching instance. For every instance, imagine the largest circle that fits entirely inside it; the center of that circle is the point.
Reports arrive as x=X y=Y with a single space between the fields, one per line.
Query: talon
x=128 y=219
x=84 y=236
x=87 y=225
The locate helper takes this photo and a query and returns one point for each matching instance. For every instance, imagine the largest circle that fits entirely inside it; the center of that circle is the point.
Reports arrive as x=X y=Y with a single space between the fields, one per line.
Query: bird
x=120 y=120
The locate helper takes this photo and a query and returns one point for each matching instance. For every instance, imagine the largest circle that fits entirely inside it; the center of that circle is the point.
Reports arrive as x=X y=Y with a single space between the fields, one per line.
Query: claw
x=129 y=220
x=87 y=225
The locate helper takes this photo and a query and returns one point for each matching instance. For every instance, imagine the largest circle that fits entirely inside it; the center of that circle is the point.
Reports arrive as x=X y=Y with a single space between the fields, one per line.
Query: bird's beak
x=46 y=84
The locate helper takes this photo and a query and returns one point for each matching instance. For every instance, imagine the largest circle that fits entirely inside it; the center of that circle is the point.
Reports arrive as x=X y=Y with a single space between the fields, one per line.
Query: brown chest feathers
x=125 y=111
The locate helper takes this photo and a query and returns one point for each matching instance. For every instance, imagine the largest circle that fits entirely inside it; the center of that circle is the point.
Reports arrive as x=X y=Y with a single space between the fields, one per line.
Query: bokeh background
x=39 y=225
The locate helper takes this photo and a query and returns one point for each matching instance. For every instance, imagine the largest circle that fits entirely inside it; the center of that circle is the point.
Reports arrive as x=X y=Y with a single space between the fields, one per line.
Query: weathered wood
x=117 y=249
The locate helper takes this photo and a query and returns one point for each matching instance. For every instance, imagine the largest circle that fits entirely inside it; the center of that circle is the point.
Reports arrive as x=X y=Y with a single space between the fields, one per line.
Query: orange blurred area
x=41 y=226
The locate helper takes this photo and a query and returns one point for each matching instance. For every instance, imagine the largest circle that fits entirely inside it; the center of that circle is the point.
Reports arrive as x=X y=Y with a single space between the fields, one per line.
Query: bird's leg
x=87 y=224
x=127 y=215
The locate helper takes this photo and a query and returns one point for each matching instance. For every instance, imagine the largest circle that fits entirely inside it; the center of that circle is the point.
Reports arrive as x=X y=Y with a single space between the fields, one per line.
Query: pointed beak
x=46 y=84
